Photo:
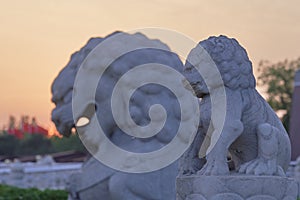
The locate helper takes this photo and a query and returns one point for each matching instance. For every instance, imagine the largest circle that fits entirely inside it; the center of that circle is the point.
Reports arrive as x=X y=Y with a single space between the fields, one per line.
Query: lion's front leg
x=215 y=165
x=217 y=153
x=266 y=161
x=190 y=162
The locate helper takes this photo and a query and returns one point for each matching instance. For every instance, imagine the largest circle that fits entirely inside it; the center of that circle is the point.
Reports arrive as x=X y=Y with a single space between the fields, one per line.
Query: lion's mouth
x=63 y=121
x=198 y=91
x=65 y=128
x=201 y=95
x=195 y=88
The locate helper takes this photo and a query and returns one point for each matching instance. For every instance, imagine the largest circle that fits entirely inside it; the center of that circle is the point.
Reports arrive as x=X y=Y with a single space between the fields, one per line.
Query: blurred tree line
x=278 y=81
x=37 y=144
x=28 y=139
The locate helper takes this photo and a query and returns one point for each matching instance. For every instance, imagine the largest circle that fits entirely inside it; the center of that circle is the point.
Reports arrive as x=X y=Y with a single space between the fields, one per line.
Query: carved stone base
x=236 y=187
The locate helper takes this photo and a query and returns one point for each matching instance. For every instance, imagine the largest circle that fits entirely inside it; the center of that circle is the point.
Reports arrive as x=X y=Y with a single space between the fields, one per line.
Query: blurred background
x=37 y=38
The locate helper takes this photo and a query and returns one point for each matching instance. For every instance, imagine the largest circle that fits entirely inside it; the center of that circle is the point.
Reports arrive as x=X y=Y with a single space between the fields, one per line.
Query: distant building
x=25 y=127
x=295 y=118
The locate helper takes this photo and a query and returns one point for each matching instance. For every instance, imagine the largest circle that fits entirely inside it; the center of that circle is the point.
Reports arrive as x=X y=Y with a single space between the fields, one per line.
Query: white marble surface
x=38 y=175
x=98 y=179
x=251 y=131
x=236 y=187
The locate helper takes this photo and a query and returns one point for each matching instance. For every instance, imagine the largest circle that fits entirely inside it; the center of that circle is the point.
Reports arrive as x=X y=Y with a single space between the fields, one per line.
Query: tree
x=8 y=145
x=34 y=144
x=12 y=122
x=278 y=80
x=66 y=144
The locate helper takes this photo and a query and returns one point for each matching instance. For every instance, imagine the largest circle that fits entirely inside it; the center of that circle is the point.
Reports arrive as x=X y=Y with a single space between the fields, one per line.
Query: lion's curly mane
x=232 y=61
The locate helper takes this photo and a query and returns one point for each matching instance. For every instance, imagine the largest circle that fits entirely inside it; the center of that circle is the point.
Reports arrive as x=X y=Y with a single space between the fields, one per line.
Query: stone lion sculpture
x=98 y=181
x=252 y=133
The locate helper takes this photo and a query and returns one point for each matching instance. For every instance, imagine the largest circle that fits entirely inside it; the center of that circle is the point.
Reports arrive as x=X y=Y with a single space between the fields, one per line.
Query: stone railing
x=44 y=174
x=294 y=169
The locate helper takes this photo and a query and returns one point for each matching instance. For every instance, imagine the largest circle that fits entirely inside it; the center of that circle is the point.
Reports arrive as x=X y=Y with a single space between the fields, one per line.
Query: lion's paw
x=190 y=167
x=188 y=171
x=214 y=167
x=261 y=167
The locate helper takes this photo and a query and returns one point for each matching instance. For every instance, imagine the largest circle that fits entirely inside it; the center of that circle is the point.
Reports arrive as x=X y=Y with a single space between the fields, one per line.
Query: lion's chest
x=205 y=113
x=253 y=113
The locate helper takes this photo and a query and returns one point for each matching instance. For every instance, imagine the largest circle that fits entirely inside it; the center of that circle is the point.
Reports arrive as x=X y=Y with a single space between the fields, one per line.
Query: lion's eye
x=197 y=83
x=237 y=151
x=188 y=67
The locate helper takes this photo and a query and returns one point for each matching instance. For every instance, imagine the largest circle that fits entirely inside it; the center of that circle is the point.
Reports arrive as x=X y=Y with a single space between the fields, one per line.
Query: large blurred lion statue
x=252 y=133
x=98 y=181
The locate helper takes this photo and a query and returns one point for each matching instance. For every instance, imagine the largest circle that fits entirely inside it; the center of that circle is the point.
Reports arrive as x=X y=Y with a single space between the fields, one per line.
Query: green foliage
x=65 y=144
x=278 y=81
x=8 y=145
x=13 y=193
x=36 y=144
x=29 y=145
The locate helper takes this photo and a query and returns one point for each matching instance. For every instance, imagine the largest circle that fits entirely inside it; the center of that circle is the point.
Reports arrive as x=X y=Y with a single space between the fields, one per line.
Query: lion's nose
x=55 y=116
x=56 y=121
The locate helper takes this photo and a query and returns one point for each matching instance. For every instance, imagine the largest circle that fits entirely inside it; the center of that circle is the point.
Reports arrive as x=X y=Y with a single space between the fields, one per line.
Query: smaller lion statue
x=252 y=134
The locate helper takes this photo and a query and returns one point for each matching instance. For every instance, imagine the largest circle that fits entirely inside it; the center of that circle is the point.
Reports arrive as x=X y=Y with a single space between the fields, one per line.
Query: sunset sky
x=37 y=37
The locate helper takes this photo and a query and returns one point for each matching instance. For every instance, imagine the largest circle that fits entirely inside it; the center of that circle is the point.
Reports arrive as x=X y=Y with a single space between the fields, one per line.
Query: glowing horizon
x=38 y=37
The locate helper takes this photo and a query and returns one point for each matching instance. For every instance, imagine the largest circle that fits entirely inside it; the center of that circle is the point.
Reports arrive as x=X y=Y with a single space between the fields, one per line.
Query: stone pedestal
x=236 y=187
